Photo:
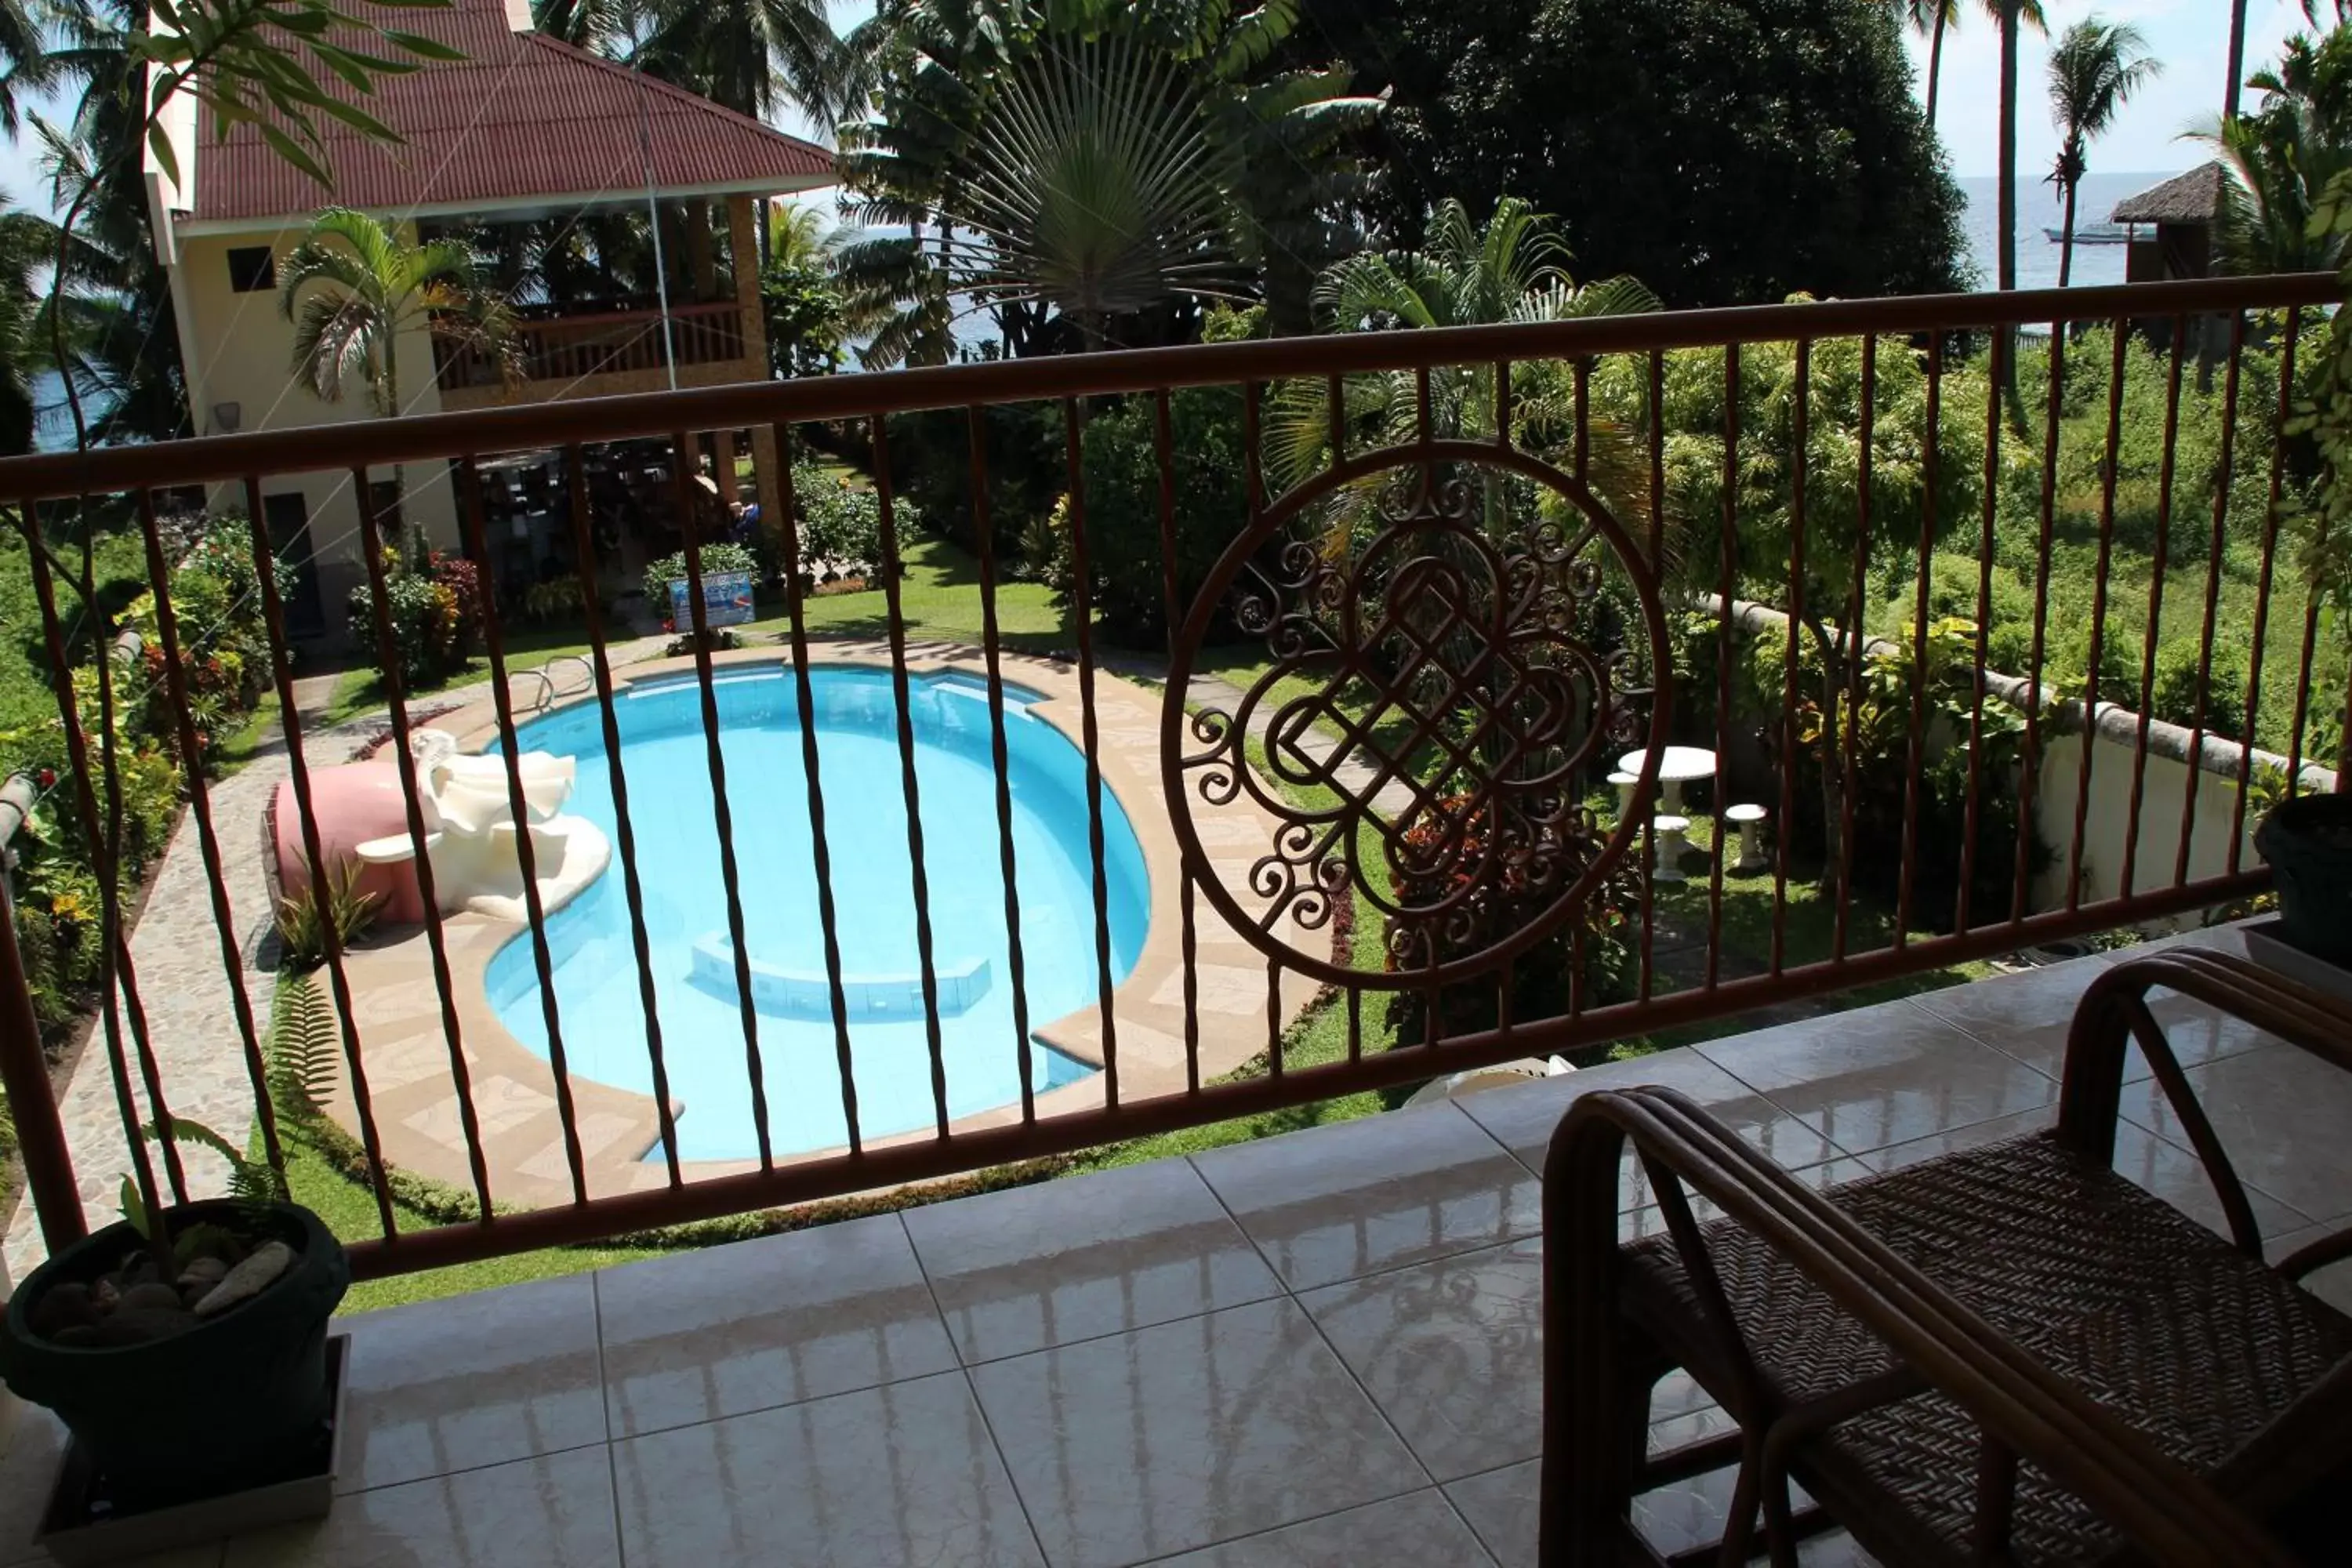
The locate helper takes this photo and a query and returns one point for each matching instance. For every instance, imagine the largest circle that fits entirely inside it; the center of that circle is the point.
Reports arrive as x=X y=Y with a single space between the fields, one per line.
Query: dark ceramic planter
x=234 y=1402
x=2308 y=843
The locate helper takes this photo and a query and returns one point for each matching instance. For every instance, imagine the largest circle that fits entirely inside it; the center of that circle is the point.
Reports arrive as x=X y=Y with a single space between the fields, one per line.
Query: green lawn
x=939 y=600
x=1246 y=663
x=360 y=689
x=349 y=1211
x=1810 y=925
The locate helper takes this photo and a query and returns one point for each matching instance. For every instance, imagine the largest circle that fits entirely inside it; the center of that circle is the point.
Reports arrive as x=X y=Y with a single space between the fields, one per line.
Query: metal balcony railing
x=1483 y=565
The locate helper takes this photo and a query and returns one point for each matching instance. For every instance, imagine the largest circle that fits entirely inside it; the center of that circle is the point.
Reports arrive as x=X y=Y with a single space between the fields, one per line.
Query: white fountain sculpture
x=470 y=830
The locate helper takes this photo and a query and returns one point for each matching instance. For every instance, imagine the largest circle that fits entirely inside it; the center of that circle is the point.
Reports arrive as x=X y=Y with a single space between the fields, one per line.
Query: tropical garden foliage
x=1672 y=139
x=1087 y=172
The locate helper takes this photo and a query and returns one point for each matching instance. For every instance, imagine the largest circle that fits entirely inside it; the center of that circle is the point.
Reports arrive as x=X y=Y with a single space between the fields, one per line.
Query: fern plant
x=250 y=1181
x=301 y=928
x=302 y=1049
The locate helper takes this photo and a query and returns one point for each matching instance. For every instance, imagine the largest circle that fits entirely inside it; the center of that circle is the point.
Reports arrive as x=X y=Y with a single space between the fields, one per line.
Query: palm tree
x=1934 y=18
x=353 y=291
x=755 y=56
x=27 y=246
x=130 y=359
x=1511 y=270
x=2282 y=156
x=23 y=60
x=2011 y=16
x=2237 y=58
x=1086 y=171
x=371 y=288
x=2094 y=71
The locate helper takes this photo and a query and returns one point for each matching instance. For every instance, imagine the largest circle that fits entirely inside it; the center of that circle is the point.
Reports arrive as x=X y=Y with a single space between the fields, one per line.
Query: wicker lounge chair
x=2008 y=1353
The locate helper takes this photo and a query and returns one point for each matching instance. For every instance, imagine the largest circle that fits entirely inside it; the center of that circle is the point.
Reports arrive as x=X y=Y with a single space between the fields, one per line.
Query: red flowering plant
x=1468 y=878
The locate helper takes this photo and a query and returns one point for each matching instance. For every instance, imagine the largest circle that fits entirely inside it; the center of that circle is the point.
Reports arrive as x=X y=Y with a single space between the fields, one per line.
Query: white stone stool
x=1624 y=783
x=1670 y=846
x=1752 y=861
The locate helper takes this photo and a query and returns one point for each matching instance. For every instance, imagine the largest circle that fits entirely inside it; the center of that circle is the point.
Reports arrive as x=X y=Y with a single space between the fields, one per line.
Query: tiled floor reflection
x=1319 y=1349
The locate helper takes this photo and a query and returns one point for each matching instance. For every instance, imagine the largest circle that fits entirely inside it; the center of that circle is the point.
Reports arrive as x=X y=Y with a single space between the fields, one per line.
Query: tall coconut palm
x=2094 y=71
x=2237 y=59
x=2011 y=17
x=755 y=56
x=1932 y=19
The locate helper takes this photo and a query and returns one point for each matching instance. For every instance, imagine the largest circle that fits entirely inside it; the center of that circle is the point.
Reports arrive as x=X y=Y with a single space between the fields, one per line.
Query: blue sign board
x=726 y=601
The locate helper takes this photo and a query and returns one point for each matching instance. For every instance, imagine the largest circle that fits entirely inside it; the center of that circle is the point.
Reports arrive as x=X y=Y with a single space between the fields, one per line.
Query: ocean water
x=2038 y=208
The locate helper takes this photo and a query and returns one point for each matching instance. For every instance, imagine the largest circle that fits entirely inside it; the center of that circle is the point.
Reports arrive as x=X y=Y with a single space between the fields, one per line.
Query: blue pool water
x=663 y=750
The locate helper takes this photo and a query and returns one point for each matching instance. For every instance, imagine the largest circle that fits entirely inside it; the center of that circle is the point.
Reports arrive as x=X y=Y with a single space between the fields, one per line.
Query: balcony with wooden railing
x=575 y=348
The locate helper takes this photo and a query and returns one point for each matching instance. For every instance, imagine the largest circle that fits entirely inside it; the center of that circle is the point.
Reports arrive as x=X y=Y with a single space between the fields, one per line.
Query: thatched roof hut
x=2182 y=213
x=2194 y=197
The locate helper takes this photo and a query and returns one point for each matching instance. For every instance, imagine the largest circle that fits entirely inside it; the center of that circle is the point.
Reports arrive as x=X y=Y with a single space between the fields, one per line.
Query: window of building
x=251 y=269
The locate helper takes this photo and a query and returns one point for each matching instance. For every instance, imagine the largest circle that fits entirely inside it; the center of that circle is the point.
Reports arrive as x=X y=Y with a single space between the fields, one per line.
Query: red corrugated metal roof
x=523 y=116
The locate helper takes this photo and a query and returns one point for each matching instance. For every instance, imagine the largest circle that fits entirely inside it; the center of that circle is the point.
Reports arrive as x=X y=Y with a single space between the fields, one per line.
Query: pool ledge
x=405 y=1046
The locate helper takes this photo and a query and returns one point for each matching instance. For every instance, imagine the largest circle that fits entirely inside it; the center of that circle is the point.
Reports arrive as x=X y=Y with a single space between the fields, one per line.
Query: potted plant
x=186 y=1350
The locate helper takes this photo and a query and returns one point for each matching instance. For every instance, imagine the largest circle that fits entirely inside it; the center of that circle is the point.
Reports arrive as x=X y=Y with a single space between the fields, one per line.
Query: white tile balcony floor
x=1319 y=1349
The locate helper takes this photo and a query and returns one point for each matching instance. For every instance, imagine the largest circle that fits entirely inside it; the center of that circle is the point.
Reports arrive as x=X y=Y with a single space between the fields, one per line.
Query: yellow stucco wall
x=242 y=352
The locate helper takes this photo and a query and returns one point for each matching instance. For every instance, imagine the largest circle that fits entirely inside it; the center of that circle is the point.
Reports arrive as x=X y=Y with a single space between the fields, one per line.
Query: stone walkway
x=176 y=958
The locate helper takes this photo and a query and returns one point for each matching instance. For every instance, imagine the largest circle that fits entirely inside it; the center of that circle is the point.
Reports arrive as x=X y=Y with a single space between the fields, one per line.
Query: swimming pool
x=663 y=749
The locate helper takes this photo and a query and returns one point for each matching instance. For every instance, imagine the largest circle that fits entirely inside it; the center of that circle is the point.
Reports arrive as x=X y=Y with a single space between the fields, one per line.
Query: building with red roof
x=547 y=157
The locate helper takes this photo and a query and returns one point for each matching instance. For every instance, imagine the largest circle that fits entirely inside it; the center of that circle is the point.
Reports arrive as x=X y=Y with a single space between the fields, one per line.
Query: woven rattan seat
x=2005 y=1353
x=2160 y=1319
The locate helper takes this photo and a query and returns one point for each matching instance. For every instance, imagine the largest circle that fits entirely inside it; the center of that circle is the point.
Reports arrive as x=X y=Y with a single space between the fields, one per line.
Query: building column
x=743 y=214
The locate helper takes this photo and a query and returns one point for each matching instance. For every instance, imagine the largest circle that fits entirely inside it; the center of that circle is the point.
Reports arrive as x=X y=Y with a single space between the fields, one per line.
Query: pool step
x=805 y=993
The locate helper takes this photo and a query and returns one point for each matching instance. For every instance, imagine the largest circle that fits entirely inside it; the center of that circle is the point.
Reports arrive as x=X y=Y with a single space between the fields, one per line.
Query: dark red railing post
x=25 y=1075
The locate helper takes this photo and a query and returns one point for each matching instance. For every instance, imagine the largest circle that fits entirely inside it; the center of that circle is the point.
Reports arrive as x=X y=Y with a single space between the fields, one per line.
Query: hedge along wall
x=2164 y=786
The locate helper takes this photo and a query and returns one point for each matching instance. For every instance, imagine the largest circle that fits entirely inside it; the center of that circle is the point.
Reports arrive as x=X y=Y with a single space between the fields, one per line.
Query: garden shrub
x=436 y=611
x=1124 y=557
x=222 y=633
x=2181 y=674
x=1882 y=729
x=840 y=526
x=303 y=918
x=557 y=599
x=1541 y=981
x=930 y=467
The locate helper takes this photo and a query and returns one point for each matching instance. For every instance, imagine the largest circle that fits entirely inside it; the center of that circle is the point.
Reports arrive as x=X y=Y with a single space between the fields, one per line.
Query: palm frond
x=304 y=1062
